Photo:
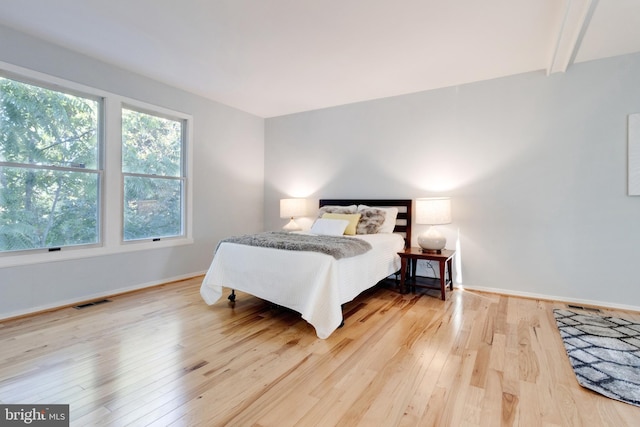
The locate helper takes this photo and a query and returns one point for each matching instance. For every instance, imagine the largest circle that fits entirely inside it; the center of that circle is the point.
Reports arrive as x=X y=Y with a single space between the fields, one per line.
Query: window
x=153 y=170
x=50 y=168
x=85 y=172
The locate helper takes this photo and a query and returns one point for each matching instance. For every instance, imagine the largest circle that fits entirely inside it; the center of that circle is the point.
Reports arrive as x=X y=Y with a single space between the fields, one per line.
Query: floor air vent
x=90 y=304
x=579 y=307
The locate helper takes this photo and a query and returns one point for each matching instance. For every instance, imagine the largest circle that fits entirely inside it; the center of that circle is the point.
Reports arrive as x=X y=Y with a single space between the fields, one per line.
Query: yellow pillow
x=352 y=218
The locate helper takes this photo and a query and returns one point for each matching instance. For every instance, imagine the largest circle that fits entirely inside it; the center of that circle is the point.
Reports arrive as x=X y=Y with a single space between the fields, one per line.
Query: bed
x=314 y=284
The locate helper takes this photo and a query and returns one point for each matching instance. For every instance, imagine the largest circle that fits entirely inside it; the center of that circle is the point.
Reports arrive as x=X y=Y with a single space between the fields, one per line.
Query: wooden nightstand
x=445 y=260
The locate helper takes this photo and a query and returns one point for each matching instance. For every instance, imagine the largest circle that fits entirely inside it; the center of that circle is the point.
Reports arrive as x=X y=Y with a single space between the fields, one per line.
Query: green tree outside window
x=49 y=168
x=152 y=153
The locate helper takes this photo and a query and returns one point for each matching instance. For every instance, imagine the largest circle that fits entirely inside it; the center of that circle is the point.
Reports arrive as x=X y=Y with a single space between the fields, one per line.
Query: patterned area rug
x=604 y=353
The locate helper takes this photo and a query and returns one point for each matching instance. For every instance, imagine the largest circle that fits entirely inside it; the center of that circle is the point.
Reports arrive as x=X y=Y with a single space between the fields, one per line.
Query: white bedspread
x=313 y=284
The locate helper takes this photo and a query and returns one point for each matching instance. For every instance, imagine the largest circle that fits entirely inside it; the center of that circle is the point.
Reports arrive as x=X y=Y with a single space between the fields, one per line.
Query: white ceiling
x=276 y=57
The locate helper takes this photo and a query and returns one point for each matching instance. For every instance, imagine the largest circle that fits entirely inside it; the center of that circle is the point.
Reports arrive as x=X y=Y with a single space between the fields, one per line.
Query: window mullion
x=112 y=197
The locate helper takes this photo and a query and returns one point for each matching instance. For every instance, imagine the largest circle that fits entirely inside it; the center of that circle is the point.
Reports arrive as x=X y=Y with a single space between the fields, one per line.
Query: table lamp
x=433 y=211
x=291 y=208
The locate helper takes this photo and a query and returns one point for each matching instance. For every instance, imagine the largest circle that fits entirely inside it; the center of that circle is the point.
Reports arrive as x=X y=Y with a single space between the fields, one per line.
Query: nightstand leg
x=443 y=279
x=414 y=269
x=403 y=275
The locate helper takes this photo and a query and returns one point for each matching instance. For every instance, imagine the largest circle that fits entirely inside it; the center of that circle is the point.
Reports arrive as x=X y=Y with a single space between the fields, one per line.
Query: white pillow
x=329 y=227
x=389 y=219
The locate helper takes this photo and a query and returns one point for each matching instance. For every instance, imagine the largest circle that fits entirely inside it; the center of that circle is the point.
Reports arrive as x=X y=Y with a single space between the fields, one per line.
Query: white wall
x=536 y=167
x=228 y=173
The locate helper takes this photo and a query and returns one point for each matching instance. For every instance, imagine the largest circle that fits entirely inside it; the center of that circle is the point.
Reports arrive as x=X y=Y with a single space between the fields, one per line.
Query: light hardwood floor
x=162 y=357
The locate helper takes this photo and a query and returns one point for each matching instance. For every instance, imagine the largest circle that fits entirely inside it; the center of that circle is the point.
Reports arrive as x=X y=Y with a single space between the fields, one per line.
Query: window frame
x=170 y=115
x=98 y=170
x=111 y=178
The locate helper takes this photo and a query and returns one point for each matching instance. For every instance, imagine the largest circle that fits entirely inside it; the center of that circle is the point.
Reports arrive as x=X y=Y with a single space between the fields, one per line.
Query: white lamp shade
x=433 y=211
x=290 y=208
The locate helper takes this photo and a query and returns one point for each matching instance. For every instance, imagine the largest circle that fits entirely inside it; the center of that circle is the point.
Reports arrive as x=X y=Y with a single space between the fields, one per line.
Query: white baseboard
x=85 y=298
x=114 y=292
x=552 y=298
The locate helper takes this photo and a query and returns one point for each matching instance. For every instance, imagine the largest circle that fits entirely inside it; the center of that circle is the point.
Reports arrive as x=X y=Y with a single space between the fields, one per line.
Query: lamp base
x=431 y=251
x=432 y=241
x=292 y=226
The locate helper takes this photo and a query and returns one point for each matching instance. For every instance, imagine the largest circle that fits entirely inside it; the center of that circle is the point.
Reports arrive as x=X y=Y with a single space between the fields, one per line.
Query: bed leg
x=232 y=298
x=342 y=322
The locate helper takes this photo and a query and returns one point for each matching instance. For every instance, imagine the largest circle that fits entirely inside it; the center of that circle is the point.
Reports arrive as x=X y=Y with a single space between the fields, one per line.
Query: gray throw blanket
x=336 y=246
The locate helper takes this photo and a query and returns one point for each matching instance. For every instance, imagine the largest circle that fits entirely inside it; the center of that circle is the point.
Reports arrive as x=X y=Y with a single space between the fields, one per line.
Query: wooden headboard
x=403 y=221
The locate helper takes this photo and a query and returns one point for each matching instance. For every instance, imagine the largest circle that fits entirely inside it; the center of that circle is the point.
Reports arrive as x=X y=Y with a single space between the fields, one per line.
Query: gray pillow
x=371 y=220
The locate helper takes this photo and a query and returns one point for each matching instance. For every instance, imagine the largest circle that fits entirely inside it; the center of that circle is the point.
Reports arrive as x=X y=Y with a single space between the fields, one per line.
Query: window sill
x=66 y=254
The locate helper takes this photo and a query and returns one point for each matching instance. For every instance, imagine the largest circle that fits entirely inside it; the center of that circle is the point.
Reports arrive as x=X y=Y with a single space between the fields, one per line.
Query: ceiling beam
x=574 y=23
